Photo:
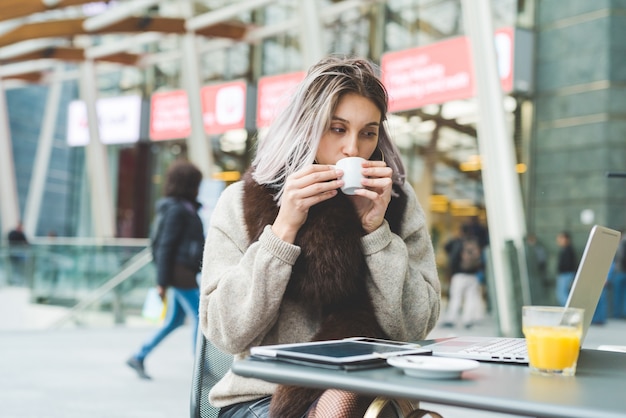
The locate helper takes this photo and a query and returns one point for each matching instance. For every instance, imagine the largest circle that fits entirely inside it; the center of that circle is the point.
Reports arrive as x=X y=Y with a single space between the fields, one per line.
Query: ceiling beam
x=46 y=29
x=225 y=13
x=26 y=67
x=123 y=58
x=62 y=53
x=12 y=9
x=68 y=28
x=117 y=13
x=71 y=54
x=32 y=77
x=129 y=43
x=230 y=30
x=144 y=24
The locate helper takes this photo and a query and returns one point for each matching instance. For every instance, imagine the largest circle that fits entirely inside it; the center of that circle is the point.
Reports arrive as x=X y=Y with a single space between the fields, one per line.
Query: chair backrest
x=209 y=366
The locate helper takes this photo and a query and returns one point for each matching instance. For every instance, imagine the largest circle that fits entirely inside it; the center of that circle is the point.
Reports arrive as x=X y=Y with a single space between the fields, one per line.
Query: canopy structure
x=39 y=38
x=37 y=35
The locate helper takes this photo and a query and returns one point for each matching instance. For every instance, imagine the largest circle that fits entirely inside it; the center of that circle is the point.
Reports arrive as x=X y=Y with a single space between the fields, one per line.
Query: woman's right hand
x=303 y=189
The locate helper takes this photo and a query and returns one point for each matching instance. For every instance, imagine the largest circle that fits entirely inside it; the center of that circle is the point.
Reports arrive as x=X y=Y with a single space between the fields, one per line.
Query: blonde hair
x=293 y=138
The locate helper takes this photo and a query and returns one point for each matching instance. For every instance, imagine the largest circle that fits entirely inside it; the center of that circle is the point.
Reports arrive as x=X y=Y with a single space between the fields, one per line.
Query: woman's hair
x=293 y=138
x=182 y=180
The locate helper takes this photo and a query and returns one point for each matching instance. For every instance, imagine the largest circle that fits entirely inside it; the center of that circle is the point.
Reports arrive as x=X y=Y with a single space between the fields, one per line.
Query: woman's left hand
x=371 y=202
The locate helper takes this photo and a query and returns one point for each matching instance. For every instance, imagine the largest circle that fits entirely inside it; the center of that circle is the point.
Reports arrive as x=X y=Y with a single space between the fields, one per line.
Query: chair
x=211 y=364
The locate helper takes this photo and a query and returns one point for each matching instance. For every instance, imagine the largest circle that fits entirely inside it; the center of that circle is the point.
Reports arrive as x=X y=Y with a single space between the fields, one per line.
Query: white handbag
x=154 y=307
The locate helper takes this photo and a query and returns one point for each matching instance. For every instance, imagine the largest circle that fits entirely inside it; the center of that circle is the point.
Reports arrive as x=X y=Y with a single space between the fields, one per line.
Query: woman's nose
x=350 y=147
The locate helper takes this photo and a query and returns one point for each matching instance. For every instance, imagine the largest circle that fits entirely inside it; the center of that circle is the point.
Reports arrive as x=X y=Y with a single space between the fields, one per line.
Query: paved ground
x=80 y=372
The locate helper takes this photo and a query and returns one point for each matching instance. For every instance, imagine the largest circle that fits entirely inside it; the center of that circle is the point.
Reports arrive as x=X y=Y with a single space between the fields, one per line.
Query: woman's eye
x=371 y=134
x=337 y=129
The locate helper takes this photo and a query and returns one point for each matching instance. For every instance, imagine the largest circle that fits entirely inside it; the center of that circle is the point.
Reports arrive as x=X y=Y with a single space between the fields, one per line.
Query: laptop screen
x=593 y=271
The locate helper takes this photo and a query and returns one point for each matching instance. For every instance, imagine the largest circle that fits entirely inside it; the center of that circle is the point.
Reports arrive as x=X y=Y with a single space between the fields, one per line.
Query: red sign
x=435 y=73
x=439 y=72
x=273 y=93
x=224 y=107
x=169 y=115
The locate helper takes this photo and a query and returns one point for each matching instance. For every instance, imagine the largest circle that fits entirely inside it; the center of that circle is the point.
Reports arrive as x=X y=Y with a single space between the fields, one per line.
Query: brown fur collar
x=328 y=277
x=329 y=272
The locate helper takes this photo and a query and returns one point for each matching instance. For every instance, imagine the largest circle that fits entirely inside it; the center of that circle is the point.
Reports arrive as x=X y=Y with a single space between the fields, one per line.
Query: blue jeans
x=602 y=310
x=619 y=294
x=180 y=303
x=563 y=285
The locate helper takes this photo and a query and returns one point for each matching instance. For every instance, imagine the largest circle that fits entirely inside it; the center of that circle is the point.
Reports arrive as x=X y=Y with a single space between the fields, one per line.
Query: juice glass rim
x=553 y=308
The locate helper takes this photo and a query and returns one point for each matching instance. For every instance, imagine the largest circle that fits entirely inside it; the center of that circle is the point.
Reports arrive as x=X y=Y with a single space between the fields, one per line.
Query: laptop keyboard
x=501 y=348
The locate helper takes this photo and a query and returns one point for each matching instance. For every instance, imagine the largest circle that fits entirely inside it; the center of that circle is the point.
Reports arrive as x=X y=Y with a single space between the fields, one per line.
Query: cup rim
x=350 y=158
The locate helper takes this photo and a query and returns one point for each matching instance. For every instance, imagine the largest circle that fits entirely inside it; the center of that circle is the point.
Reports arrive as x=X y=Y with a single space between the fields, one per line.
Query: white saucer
x=430 y=367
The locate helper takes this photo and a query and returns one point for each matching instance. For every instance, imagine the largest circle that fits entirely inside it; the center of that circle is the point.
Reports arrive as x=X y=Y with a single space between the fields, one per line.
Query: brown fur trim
x=328 y=277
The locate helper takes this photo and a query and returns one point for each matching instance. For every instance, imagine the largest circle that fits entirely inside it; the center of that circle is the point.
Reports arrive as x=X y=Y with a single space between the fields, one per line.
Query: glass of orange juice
x=553 y=338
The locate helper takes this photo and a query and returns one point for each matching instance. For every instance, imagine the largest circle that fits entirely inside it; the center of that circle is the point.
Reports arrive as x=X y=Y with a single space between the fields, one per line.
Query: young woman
x=290 y=258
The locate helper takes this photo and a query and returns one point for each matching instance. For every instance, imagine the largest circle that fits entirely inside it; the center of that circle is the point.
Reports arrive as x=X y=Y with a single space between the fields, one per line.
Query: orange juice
x=552 y=347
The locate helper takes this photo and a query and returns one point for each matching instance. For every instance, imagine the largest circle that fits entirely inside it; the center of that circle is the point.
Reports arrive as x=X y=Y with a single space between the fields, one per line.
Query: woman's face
x=353 y=130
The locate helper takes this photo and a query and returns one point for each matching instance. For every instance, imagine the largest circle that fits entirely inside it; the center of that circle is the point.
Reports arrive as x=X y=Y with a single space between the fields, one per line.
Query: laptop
x=585 y=293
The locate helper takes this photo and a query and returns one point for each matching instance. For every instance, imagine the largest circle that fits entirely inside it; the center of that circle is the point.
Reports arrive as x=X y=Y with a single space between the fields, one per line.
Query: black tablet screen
x=342 y=349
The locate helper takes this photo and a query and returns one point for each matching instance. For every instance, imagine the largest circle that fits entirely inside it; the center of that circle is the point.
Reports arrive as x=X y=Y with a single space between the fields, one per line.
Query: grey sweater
x=241 y=300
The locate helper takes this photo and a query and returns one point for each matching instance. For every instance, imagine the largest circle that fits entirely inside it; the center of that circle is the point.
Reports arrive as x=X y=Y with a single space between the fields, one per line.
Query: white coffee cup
x=352 y=167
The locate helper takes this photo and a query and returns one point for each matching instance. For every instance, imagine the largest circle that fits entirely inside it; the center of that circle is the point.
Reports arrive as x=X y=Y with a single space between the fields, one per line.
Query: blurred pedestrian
x=601 y=313
x=537 y=262
x=566 y=267
x=478 y=230
x=452 y=248
x=465 y=294
x=617 y=280
x=539 y=256
x=16 y=236
x=177 y=244
x=50 y=261
x=18 y=254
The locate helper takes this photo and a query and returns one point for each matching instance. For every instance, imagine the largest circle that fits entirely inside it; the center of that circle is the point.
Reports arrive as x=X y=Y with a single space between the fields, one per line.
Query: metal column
x=198 y=145
x=311 y=33
x=42 y=156
x=9 y=204
x=503 y=196
x=102 y=208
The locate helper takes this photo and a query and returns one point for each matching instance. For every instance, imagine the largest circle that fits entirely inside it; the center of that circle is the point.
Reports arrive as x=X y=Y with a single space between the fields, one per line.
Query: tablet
x=350 y=351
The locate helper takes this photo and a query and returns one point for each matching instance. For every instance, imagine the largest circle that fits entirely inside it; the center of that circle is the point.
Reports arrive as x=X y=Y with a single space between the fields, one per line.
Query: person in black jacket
x=177 y=246
x=18 y=255
x=566 y=267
